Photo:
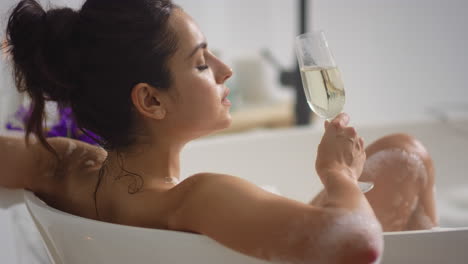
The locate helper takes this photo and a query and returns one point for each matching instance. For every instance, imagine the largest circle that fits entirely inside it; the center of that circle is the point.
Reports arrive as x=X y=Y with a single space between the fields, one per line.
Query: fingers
x=337 y=124
x=350 y=132
x=341 y=121
x=340 y=129
x=347 y=132
x=361 y=142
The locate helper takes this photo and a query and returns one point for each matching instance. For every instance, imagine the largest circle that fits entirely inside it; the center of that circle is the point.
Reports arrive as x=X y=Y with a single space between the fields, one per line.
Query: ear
x=148 y=101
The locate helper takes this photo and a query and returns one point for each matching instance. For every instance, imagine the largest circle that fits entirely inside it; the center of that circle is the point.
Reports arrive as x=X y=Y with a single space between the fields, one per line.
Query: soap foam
x=90 y=163
x=172 y=180
x=321 y=246
x=101 y=158
x=423 y=220
x=381 y=161
x=71 y=148
x=414 y=204
x=344 y=228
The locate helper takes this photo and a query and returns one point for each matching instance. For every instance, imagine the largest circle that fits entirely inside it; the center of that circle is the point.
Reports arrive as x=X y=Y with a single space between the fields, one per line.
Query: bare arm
x=250 y=220
x=33 y=166
x=18 y=162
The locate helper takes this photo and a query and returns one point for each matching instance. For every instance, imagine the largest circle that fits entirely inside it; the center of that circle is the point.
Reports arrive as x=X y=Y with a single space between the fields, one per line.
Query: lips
x=225 y=100
x=226 y=93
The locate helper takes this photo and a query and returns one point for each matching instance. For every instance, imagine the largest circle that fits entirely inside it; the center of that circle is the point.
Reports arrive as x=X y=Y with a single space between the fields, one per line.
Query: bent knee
x=403 y=155
x=404 y=142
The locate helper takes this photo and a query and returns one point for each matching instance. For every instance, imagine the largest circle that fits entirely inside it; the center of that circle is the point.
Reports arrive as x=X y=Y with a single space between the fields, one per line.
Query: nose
x=224 y=73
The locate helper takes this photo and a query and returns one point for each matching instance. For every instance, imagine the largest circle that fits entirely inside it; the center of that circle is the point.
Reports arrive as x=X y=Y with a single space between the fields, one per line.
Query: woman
x=140 y=75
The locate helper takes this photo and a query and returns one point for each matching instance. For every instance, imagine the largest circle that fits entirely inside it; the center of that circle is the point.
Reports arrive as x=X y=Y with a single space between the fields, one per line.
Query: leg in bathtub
x=403 y=174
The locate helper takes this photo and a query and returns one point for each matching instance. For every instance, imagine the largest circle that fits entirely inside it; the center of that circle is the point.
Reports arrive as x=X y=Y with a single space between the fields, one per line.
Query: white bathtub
x=284 y=159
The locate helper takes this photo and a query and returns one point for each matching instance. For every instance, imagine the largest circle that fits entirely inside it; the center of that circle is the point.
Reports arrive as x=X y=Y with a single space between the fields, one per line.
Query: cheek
x=202 y=95
x=198 y=98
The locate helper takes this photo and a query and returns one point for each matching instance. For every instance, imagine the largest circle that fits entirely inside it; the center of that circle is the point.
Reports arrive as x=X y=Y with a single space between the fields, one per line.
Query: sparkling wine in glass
x=321 y=79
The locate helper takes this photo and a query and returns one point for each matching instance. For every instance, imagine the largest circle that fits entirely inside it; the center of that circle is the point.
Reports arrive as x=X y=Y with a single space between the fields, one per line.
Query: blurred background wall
x=398 y=58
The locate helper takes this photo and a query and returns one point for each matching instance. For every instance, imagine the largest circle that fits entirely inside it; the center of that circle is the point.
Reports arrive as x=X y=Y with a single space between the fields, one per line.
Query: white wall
x=398 y=57
x=245 y=26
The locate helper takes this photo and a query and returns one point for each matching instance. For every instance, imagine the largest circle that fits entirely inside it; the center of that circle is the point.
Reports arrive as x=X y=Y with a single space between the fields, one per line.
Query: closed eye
x=202 y=67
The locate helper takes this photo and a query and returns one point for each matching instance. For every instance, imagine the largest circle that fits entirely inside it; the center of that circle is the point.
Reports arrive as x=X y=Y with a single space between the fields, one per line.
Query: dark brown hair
x=90 y=60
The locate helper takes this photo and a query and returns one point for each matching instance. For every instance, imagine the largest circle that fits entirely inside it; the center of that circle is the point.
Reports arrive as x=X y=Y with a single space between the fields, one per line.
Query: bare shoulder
x=204 y=195
x=208 y=179
x=217 y=184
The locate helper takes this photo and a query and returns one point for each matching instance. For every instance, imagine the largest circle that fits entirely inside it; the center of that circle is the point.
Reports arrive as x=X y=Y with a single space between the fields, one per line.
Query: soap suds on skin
x=388 y=157
x=423 y=220
x=344 y=229
x=414 y=204
x=321 y=246
x=90 y=163
x=102 y=155
x=71 y=147
x=171 y=180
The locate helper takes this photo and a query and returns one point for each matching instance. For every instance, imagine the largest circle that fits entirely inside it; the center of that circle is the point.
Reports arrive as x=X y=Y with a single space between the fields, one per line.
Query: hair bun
x=43 y=50
x=26 y=26
x=60 y=24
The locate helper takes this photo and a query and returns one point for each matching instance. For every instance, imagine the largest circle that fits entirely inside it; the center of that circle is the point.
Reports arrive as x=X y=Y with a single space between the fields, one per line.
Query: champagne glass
x=321 y=79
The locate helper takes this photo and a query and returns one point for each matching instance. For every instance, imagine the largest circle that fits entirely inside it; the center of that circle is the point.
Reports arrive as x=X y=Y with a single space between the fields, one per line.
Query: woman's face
x=198 y=103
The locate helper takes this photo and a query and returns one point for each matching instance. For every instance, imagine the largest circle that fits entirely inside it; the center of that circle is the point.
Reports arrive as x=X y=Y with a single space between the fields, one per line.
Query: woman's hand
x=341 y=151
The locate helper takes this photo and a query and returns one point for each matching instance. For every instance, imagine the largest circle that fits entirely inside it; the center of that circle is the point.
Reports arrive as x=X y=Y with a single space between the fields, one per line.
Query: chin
x=227 y=121
x=224 y=123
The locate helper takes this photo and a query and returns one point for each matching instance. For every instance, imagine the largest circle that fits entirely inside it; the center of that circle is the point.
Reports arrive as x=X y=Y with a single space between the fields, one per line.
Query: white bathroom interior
x=404 y=68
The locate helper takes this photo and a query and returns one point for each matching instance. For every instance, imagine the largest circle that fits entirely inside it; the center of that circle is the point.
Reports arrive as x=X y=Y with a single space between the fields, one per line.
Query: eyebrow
x=202 y=45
